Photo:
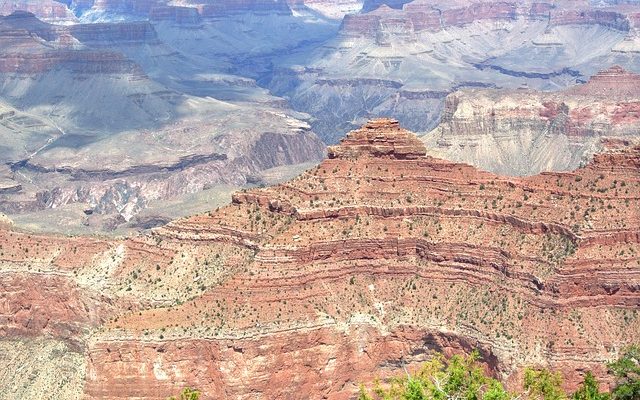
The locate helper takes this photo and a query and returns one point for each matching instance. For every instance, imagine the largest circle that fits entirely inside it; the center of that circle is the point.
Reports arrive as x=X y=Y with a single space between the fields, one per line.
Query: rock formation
x=379 y=138
x=523 y=132
x=403 y=58
x=346 y=61
x=368 y=262
x=47 y=10
x=103 y=119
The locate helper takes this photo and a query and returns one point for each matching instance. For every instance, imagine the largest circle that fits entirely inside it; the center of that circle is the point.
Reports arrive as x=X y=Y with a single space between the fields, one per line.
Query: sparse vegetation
x=465 y=378
x=187 y=394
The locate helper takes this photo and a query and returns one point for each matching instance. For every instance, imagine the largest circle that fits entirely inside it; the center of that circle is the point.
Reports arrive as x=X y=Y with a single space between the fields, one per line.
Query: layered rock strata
x=366 y=263
x=522 y=132
x=105 y=118
x=403 y=58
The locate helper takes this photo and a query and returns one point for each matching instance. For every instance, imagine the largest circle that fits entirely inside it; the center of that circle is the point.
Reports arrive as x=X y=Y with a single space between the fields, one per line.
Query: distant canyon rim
x=121 y=115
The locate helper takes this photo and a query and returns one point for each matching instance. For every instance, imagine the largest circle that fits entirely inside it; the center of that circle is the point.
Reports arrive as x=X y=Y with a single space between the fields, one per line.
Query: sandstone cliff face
x=368 y=262
x=523 y=132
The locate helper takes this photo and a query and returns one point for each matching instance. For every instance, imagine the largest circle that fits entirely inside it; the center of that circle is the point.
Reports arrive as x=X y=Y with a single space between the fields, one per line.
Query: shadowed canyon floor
x=365 y=263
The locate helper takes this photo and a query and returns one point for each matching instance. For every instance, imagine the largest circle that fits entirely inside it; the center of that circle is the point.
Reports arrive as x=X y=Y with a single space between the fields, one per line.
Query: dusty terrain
x=365 y=263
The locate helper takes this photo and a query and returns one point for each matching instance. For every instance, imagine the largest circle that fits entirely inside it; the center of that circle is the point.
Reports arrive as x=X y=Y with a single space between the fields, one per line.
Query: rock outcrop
x=524 y=132
x=366 y=263
x=382 y=138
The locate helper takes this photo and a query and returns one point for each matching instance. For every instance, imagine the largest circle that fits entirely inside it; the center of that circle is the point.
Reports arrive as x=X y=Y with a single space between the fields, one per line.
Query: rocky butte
x=364 y=264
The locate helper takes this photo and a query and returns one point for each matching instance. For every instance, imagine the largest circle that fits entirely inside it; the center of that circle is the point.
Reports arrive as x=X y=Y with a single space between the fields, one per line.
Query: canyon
x=404 y=61
x=200 y=193
x=101 y=120
x=199 y=98
x=366 y=263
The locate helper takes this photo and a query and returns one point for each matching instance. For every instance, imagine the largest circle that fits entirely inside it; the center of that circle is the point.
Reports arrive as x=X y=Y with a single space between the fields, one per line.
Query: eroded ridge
x=378 y=254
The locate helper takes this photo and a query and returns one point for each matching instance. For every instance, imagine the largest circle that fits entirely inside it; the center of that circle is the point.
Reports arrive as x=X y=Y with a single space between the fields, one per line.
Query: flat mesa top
x=381 y=137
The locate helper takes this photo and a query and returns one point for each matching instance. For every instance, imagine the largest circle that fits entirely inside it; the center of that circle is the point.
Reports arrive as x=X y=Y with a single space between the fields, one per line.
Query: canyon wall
x=365 y=264
x=105 y=120
x=523 y=132
x=402 y=59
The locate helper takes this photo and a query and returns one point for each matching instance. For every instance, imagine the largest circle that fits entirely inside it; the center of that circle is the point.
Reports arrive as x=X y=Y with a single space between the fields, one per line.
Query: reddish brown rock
x=367 y=263
x=382 y=138
x=612 y=83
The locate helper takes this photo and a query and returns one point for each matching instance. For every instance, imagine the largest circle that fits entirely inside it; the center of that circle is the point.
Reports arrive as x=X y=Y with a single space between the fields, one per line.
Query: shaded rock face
x=364 y=264
x=524 y=132
x=106 y=115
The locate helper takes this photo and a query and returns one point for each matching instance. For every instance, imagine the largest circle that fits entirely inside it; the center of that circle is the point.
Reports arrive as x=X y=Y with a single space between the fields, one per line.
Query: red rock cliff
x=372 y=260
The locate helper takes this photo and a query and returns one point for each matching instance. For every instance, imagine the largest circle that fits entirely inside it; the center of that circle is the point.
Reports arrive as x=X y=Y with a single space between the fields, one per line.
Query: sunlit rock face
x=365 y=264
x=523 y=131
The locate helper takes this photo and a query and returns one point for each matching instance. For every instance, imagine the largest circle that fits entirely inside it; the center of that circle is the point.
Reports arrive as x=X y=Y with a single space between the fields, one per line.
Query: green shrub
x=187 y=394
x=627 y=373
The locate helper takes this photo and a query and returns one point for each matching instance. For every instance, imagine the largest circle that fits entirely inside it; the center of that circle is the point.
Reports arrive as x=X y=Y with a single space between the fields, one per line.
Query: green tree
x=187 y=394
x=495 y=391
x=460 y=377
x=543 y=384
x=363 y=394
x=414 y=390
x=627 y=373
x=590 y=390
